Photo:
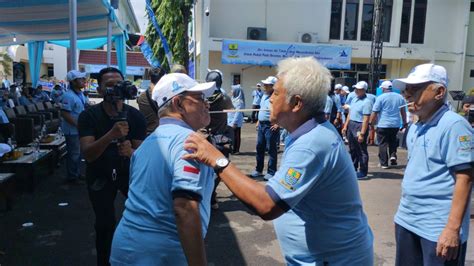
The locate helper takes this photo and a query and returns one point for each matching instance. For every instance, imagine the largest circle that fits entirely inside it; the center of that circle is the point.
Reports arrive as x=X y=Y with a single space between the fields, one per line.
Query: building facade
x=415 y=32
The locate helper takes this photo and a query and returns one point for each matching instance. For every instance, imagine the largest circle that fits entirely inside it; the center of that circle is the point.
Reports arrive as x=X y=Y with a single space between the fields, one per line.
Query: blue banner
x=148 y=54
x=268 y=54
x=151 y=15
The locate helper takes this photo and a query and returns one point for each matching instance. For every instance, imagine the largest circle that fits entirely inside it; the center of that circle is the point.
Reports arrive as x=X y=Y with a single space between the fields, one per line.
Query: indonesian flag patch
x=191 y=171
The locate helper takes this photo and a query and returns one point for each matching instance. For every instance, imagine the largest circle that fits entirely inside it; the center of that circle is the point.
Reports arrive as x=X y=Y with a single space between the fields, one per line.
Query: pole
x=73 y=33
x=109 y=41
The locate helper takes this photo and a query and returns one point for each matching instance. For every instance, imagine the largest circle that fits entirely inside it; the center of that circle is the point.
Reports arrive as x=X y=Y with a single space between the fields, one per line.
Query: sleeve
x=67 y=103
x=328 y=107
x=296 y=176
x=86 y=125
x=337 y=102
x=188 y=177
x=377 y=105
x=367 y=109
x=138 y=131
x=457 y=146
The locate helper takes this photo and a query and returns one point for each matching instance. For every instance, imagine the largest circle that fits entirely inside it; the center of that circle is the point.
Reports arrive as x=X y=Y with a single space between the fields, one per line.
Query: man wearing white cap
x=432 y=221
x=390 y=116
x=168 y=207
x=356 y=129
x=72 y=104
x=268 y=135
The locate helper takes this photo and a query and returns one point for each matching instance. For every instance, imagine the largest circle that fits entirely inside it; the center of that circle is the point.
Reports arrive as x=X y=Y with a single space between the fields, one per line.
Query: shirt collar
x=303 y=129
x=174 y=121
x=436 y=116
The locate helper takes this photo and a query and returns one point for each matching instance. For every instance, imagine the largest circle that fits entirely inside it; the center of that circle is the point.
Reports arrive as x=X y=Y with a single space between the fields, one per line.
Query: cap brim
x=206 y=88
x=401 y=83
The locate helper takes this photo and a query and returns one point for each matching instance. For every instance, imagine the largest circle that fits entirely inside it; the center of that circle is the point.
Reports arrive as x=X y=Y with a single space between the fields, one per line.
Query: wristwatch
x=221 y=164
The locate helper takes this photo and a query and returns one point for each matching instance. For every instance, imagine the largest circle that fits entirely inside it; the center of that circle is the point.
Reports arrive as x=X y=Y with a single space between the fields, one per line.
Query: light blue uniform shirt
x=359 y=108
x=257 y=97
x=236 y=118
x=351 y=96
x=264 y=104
x=73 y=103
x=147 y=233
x=387 y=106
x=3 y=117
x=317 y=184
x=436 y=149
x=328 y=106
x=371 y=97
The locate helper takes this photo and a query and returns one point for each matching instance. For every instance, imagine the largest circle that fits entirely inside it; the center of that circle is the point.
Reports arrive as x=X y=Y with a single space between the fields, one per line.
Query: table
x=27 y=166
x=58 y=146
x=6 y=189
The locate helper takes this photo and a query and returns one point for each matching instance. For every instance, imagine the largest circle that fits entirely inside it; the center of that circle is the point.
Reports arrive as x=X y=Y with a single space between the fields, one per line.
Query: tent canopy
x=47 y=20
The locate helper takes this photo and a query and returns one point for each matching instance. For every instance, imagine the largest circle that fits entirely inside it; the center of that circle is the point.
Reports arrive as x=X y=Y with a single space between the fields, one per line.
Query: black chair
x=25 y=128
x=44 y=107
x=51 y=122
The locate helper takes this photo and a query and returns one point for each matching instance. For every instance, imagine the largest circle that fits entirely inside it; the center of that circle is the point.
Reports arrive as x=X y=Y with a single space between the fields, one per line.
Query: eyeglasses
x=199 y=97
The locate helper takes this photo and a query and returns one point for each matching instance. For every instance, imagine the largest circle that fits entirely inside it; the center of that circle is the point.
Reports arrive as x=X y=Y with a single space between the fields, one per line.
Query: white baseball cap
x=271 y=80
x=386 y=84
x=345 y=88
x=338 y=86
x=361 y=85
x=74 y=74
x=423 y=73
x=173 y=84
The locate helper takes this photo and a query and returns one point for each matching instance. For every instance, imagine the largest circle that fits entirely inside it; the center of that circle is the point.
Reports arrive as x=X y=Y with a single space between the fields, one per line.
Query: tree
x=6 y=63
x=173 y=17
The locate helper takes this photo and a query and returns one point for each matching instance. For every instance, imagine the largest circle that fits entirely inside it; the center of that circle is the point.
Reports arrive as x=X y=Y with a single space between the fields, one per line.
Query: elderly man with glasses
x=168 y=207
x=432 y=221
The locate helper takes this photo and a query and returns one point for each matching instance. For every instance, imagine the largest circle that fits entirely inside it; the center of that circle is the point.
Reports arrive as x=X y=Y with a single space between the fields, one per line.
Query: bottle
x=59 y=133
x=43 y=132
x=10 y=143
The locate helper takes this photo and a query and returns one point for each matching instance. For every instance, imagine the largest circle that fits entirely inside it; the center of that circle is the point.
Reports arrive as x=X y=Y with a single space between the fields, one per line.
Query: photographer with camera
x=109 y=134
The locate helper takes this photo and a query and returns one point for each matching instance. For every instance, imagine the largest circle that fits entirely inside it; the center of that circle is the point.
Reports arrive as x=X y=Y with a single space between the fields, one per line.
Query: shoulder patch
x=291 y=178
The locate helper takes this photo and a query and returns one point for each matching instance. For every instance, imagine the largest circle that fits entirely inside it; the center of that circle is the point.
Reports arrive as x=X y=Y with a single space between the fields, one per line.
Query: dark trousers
x=254 y=113
x=103 y=204
x=267 y=139
x=73 y=157
x=236 y=141
x=359 y=153
x=387 y=139
x=413 y=250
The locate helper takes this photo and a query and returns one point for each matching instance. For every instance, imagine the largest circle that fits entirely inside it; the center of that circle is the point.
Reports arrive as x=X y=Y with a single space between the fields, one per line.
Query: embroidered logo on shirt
x=291 y=178
x=465 y=143
x=190 y=171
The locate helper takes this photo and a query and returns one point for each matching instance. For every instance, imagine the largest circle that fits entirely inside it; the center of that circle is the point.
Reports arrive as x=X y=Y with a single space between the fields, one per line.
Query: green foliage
x=173 y=17
x=6 y=62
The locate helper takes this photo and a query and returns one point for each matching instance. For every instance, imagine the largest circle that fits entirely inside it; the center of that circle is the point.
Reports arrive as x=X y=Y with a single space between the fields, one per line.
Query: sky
x=139 y=8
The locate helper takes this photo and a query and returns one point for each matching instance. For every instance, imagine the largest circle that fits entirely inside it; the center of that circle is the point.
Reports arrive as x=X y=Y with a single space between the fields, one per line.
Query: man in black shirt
x=109 y=134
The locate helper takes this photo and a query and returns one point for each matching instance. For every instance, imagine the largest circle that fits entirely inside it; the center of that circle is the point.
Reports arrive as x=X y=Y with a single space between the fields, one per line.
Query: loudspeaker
x=254 y=33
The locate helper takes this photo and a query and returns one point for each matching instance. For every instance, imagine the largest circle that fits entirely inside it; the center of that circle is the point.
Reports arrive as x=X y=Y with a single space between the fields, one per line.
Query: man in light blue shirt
x=390 y=116
x=72 y=105
x=432 y=221
x=168 y=207
x=313 y=198
x=257 y=97
x=268 y=134
x=356 y=129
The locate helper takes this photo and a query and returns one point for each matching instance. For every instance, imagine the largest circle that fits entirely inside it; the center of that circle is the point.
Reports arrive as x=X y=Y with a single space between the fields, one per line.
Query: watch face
x=222 y=162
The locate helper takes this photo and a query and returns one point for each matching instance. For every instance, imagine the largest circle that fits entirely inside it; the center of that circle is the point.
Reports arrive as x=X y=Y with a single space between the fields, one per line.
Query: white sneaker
x=256 y=174
x=267 y=177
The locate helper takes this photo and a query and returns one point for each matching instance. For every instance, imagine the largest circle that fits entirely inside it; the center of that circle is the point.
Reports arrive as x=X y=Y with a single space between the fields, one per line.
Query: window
x=50 y=71
x=405 y=26
x=417 y=9
x=351 y=20
x=472 y=73
x=336 y=15
x=472 y=6
x=419 y=19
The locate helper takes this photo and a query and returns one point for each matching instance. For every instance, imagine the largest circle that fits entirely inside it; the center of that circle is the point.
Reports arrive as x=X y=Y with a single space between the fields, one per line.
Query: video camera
x=124 y=90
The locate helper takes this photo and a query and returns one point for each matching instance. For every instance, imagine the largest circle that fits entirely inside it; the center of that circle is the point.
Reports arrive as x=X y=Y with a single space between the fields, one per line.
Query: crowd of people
x=168 y=157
